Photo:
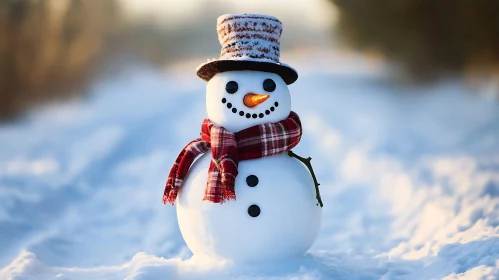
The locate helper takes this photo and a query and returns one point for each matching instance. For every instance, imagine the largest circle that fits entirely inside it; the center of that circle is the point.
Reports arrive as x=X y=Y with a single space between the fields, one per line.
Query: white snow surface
x=409 y=179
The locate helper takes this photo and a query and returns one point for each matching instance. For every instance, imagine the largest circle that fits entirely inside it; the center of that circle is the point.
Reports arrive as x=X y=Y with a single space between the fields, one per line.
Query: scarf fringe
x=170 y=197
x=226 y=196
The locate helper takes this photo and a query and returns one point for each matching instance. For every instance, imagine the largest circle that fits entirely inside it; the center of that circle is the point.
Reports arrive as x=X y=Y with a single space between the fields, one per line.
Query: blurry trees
x=52 y=49
x=46 y=47
x=428 y=38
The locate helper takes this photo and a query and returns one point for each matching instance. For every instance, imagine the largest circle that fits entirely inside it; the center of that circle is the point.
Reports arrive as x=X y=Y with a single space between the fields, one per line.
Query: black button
x=272 y=109
x=234 y=110
x=248 y=115
x=276 y=103
x=267 y=112
x=252 y=180
x=229 y=105
x=224 y=100
x=254 y=211
x=261 y=115
x=254 y=116
x=241 y=113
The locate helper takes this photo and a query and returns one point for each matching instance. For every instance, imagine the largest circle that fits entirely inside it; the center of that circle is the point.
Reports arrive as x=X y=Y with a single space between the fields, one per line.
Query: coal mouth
x=249 y=115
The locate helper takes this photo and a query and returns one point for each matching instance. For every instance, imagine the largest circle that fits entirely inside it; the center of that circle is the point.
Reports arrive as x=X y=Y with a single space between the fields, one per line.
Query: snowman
x=242 y=195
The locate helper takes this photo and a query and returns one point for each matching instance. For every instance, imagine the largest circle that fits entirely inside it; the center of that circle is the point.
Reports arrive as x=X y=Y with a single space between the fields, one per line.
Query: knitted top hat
x=249 y=42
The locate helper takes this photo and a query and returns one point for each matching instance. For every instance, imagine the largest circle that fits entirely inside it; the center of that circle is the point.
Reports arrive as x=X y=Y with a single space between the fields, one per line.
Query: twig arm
x=307 y=163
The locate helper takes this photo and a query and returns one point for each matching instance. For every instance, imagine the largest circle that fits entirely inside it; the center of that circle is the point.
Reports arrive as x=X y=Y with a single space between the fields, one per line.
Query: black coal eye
x=269 y=85
x=231 y=87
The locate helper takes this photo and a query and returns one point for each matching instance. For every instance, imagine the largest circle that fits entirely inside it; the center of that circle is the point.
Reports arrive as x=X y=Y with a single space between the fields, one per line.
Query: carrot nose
x=253 y=99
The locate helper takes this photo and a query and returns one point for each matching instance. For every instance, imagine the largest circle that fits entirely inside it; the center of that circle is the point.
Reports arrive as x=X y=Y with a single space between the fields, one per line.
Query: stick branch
x=307 y=163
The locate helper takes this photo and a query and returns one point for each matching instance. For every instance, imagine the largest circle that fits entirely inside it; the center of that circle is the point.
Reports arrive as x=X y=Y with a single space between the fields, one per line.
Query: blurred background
x=54 y=49
x=399 y=101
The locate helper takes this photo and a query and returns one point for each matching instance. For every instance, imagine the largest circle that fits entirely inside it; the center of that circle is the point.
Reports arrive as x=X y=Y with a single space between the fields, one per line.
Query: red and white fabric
x=227 y=150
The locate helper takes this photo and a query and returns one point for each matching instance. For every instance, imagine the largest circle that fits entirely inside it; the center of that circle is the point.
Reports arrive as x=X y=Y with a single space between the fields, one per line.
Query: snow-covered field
x=409 y=178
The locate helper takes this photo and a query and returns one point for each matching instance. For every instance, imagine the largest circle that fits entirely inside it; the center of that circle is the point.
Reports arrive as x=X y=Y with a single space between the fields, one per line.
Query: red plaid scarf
x=227 y=150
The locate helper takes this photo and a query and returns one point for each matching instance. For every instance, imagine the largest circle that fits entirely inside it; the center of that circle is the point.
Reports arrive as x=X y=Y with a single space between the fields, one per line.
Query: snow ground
x=409 y=178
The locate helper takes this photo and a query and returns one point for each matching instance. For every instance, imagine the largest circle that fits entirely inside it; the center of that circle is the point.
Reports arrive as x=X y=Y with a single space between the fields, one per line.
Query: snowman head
x=237 y=100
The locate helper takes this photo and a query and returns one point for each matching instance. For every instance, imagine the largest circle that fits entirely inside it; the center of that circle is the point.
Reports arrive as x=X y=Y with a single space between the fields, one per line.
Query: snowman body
x=275 y=214
x=278 y=191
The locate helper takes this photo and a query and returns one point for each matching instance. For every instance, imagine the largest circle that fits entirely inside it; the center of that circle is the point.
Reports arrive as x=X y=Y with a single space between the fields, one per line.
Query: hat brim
x=209 y=69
